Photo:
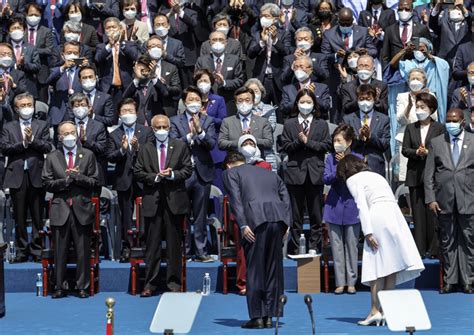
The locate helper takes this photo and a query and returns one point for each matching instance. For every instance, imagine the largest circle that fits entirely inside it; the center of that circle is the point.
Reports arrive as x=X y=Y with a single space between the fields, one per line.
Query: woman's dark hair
x=17 y=18
x=201 y=72
x=370 y=3
x=349 y=166
x=429 y=99
x=35 y=6
x=126 y=3
x=347 y=132
x=75 y=4
x=316 y=111
x=318 y=5
x=350 y=51
x=233 y=157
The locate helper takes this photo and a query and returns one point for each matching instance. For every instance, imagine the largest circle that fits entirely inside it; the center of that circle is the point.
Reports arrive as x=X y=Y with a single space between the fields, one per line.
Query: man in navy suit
x=261 y=205
x=464 y=56
x=25 y=142
x=123 y=145
x=372 y=127
x=292 y=18
x=303 y=69
x=463 y=97
x=98 y=11
x=53 y=16
x=173 y=49
x=197 y=130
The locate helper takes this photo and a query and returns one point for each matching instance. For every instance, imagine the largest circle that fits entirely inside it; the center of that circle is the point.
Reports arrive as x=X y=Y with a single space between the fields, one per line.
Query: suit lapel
x=169 y=152
x=18 y=131
x=418 y=133
x=464 y=146
x=448 y=148
x=184 y=123
x=34 y=127
x=154 y=156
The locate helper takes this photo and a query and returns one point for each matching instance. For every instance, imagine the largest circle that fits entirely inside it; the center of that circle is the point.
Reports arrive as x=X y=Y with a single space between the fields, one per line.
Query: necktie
x=376 y=17
x=245 y=123
x=31 y=36
x=455 y=151
x=81 y=131
x=6 y=82
x=346 y=41
x=219 y=65
x=144 y=90
x=305 y=127
x=116 y=81
x=17 y=53
x=405 y=34
x=144 y=9
x=162 y=156
x=26 y=124
x=90 y=98
x=70 y=161
x=176 y=21
x=287 y=19
x=366 y=119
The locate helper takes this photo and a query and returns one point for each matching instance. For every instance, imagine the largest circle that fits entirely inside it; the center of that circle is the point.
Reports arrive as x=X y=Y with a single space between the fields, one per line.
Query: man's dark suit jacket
x=231 y=71
x=170 y=73
x=387 y=18
x=45 y=47
x=348 y=95
x=175 y=52
x=373 y=149
x=200 y=149
x=457 y=100
x=31 y=66
x=78 y=190
x=102 y=107
x=11 y=143
x=333 y=41
x=174 y=192
x=305 y=159
x=320 y=67
x=411 y=143
x=464 y=57
x=257 y=196
x=6 y=106
x=124 y=162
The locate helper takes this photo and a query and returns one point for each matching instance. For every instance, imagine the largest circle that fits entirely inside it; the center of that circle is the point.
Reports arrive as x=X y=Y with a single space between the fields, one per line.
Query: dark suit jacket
x=124 y=162
x=289 y=93
x=174 y=191
x=45 y=47
x=387 y=18
x=170 y=73
x=94 y=16
x=79 y=190
x=12 y=147
x=464 y=57
x=305 y=159
x=231 y=71
x=379 y=141
x=233 y=47
x=102 y=107
x=458 y=102
x=175 y=52
x=411 y=143
x=129 y=52
x=333 y=41
x=200 y=149
x=6 y=108
x=349 y=97
x=257 y=196
x=320 y=67
x=31 y=67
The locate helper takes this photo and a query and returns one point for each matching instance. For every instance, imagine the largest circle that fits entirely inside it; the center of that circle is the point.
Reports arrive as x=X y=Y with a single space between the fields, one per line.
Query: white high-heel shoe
x=377 y=318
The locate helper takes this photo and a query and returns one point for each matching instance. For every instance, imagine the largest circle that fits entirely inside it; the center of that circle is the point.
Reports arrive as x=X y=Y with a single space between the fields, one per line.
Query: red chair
x=47 y=254
x=138 y=250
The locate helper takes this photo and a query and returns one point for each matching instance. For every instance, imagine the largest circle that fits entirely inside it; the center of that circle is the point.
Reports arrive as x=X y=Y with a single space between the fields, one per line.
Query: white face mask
x=419 y=56
x=33 y=20
x=301 y=75
x=266 y=22
x=161 y=31
x=69 y=141
x=69 y=37
x=365 y=105
x=421 y=114
x=287 y=3
x=75 y=17
x=128 y=119
x=80 y=112
x=303 y=45
x=404 y=16
x=471 y=80
x=258 y=98
x=130 y=14
x=16 y=35
x=218 y=48
x=248 y=151
x=161 y=135
x=155 y=53
x=455 y=15
x=26 y=113
x=339 y=147
x=88 y=84
x=204 y=87
x=415 y=85
x=194 y=107
x=364 y=74
x=224 y=30
x=71 y=57
x=6 y=62
x=352 y=62
x=244 y=108
x=305 y=108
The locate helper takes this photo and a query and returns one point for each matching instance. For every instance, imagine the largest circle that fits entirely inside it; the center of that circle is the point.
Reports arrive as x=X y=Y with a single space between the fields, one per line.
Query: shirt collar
x=158 y=143
x=91 y=92
x=20 y=43
x=309 y=118
x=66 y=150
x=460 y=137
x=85 y=120
x=29 y=120
x=34 y=28
x=369 y=114
x=125 y=128
x=242 y=117
x=409 y=22
x=214 y=57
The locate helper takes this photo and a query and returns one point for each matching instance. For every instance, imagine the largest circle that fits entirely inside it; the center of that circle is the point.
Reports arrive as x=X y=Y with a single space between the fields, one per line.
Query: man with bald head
x=449 y=193
x=163 y=166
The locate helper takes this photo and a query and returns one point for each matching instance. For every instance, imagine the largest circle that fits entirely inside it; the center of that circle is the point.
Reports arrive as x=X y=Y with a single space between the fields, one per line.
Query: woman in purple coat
x=341 y=214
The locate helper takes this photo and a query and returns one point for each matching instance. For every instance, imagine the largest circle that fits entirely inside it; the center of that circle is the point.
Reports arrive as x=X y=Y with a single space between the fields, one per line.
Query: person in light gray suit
x=449 y=193
x=245 y=122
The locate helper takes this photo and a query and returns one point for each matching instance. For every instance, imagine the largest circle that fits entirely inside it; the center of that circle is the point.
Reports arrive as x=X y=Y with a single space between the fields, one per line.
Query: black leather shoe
x=58 y=294
x=83 y=294
x=267 y=322
x=253 y=324
x=146 y=293
x=448 y=288
x=467 y=289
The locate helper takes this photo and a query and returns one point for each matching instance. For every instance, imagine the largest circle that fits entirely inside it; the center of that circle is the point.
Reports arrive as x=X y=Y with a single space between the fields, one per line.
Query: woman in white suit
x=390 y=256
x=135 y=30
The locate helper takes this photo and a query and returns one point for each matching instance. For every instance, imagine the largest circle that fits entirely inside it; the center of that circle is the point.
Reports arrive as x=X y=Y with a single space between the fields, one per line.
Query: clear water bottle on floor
x=11 y=252
x=302 y=245
x=206 y=284
x=39 y=285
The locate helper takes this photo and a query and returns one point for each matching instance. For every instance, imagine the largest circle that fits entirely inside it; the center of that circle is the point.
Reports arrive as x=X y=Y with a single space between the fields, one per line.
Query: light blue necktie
x=245 y=122
x=455 y=151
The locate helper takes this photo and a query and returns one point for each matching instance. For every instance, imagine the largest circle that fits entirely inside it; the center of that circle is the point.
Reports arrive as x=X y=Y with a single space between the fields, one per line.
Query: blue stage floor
x=220 y=314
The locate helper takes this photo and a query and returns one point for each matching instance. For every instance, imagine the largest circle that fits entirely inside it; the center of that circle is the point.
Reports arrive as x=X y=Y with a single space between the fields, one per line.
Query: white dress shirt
x=66 y=155
x=158 y=150
x=409 y=27
x=460 y=141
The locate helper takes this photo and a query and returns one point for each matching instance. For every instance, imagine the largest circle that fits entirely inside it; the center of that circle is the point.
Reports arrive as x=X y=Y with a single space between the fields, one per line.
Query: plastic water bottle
x=39 y=285
x=206 y=284
x=302 y=247
x=11 y=252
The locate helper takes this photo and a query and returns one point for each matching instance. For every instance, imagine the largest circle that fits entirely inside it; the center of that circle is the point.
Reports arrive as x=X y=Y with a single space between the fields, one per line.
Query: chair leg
x=97 y=270
x=326 y=275
x=133 y=269
x=441 y=276
x=45 y=280
x=92 y=283
x=224 y=272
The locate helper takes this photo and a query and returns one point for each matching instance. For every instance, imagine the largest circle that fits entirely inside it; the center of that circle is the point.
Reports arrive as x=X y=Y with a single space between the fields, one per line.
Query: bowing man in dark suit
x=123 y=145
x=372 y=127
x=416 y=140
x=261 y=205
x=173 y=49
x=306 y=140
x=24 y=142
x=70 y=173
x=91 y=134
x=42 y=38
x=197 y=130
x=163 y=167
x=226 y=68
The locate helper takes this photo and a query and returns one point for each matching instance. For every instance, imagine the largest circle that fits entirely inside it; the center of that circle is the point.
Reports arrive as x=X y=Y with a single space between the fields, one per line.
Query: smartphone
x=78 y=61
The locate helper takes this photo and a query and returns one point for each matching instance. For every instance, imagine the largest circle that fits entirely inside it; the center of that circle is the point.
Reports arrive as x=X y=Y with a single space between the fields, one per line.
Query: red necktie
x=162 y=156
x=405 y=34
x=31 y=37
x=346 y=42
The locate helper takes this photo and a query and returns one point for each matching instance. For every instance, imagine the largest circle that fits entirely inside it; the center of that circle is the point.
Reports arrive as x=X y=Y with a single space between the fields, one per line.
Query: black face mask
x=324 y=15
